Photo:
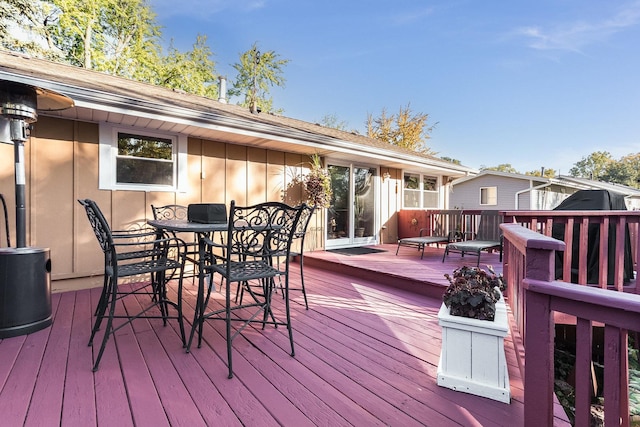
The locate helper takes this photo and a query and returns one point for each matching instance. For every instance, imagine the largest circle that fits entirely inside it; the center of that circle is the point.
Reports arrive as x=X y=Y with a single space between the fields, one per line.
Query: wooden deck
x=366 y=354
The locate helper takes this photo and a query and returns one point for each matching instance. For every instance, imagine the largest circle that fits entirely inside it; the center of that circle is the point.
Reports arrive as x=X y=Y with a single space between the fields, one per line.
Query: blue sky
x=530 y=83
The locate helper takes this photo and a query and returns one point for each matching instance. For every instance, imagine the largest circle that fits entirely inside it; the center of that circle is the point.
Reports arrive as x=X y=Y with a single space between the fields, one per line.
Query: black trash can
x=25 y=290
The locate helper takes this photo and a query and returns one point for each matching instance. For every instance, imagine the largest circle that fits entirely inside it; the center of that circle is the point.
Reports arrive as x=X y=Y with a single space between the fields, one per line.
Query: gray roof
x=100 y=97
x=560 y=180
x=538 y=179
x=588 y=184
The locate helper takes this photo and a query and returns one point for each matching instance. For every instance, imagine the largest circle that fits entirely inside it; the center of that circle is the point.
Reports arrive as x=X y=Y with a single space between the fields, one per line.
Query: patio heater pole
x=18 y=129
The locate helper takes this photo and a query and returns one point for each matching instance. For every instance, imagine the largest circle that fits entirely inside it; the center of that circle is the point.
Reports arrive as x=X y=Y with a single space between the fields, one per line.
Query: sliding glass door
x=351 y=217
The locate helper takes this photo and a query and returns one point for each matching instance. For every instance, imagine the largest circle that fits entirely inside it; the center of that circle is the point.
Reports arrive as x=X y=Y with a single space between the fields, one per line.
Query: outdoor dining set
x=250 y=248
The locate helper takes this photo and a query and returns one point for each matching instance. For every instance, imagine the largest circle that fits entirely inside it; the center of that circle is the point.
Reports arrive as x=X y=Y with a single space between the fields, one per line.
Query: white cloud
x=576 y=35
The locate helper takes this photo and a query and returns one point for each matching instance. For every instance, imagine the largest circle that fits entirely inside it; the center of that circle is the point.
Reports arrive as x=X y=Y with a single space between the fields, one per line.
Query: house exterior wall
x=550 y=197
x=466 y=195
x=62 y=166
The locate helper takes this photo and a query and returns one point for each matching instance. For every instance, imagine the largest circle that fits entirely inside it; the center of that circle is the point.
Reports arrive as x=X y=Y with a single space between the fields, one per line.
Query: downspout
x=530 y=189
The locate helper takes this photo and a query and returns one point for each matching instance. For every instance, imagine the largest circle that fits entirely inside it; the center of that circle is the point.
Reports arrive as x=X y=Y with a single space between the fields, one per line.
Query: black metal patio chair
x=179 y=212
x=256 y=235
x=300 y=234
x=142 y=253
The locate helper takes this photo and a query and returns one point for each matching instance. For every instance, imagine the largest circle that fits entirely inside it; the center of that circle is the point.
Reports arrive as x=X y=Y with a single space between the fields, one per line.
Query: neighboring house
x=204 y=151
x=509 y=191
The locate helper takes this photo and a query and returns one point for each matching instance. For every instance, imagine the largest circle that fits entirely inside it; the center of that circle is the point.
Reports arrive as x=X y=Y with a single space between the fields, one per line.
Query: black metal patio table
x=182 y=225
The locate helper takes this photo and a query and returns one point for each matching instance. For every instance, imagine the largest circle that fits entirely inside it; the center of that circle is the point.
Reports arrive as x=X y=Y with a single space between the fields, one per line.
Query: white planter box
x=472 y=358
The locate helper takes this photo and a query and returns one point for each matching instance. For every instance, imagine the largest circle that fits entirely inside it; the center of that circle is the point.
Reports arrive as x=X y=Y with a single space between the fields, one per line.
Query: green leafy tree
x=548 y=173
x=116 y=36
x=503 y=167
x=76 y=34
x=452 y=160
x=332 y=121
x=25 y=27
x=192 y=71
x=131 y=40
x=625 y=171
x=257 y=72
x=405 y=129
x=592 y=166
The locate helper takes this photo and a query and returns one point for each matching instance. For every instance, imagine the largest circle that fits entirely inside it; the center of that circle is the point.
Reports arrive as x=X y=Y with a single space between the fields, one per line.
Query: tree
x=503 y=167
x=25 y=27
x=332 y=121
x=592 y=166
x=119 y=37
x=192 y=72
x=131 y=40
x=548 y=172
x=404 y=129
x=116 y=36
x=625 y=171
x=257 y=72
x=452 y=160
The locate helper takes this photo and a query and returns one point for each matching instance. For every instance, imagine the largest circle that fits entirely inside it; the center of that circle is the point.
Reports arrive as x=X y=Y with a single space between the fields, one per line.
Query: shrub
x=473 y=292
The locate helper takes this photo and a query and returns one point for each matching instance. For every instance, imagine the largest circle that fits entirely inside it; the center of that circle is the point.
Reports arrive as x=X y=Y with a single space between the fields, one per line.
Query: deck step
x=421 y=287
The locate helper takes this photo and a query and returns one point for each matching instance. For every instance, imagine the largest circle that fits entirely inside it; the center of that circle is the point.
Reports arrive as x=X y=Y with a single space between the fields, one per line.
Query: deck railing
x=530 y=272
x=595 y=242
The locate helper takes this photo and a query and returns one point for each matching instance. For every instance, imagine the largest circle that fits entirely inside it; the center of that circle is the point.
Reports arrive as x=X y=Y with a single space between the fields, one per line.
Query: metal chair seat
x=146 y=266
x=242 y=271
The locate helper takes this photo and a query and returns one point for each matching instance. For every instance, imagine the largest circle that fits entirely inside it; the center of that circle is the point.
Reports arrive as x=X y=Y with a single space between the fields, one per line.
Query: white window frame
x=421 y=190
x=108 y=140
x=495 y=199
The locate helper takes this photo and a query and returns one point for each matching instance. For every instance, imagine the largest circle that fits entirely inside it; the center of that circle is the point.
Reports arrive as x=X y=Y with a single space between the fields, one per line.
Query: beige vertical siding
x=62 y=159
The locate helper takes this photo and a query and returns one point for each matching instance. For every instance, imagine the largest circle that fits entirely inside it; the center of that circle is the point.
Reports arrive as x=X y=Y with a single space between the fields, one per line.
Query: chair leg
x=103 y=295
x=109 y=328
x=180 y=317
x=304 y=292
x=227 y=320
x=197 y=315
x=288 y=314
x=159 y=284
x=101 y=308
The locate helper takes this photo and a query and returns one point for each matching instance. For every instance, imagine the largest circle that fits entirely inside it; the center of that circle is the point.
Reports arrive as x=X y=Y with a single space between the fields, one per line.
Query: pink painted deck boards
x=366 y=354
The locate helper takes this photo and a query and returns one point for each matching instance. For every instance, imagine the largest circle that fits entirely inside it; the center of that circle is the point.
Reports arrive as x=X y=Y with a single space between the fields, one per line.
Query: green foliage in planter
x=472 y=292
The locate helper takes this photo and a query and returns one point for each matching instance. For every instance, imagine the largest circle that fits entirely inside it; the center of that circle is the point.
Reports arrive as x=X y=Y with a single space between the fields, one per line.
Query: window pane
x=411 y=198
x=489 y=196
x=338 y=219
x=140 y=171
x=430 y=183
x=142 y=146
x=430 y=199
x=144 y=160
x=411 y=181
